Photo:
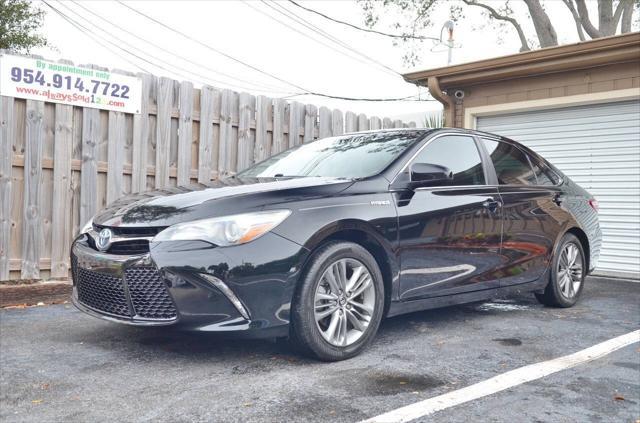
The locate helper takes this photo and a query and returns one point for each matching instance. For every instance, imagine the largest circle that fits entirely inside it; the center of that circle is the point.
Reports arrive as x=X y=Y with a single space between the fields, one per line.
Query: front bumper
x=192 y=285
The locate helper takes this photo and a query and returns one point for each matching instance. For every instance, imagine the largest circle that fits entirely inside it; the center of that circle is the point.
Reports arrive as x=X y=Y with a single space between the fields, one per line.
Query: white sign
x=37 y=79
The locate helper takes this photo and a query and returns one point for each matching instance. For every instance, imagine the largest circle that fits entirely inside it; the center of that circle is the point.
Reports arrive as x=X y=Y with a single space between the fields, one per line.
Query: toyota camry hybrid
x=322 y=241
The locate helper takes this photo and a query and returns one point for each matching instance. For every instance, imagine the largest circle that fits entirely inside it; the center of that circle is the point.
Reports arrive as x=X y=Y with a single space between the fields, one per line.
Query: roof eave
x=585 y=54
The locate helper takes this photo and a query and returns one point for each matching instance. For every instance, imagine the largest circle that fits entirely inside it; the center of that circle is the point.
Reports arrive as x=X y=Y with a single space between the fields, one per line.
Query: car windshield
x=352 y=156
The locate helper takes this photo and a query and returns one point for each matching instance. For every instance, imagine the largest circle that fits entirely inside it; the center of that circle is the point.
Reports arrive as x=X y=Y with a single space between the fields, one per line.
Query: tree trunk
x=605 y=18
x=546 y=34
x=586 y=23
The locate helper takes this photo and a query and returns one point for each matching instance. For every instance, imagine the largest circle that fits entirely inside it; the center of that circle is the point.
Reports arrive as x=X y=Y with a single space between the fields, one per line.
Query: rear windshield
x=353 y=156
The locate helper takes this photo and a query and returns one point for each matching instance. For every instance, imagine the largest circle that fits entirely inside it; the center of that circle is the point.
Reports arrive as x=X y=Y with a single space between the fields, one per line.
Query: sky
x=256 y=33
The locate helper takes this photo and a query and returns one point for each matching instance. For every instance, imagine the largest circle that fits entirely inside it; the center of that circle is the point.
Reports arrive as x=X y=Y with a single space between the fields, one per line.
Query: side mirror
x=427 y=174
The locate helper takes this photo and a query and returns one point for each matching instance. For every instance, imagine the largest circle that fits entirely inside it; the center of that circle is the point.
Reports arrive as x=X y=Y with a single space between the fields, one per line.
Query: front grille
x=133 y=247
x=131 y=231
x=149 y=294
x=105 y=293
x=101 y=292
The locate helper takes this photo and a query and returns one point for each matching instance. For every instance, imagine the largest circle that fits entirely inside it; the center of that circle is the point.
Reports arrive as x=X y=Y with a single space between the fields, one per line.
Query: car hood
x=230 y=196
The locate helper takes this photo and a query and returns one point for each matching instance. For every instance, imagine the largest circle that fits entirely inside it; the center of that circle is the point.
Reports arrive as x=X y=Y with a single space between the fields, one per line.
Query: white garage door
x=598 y=146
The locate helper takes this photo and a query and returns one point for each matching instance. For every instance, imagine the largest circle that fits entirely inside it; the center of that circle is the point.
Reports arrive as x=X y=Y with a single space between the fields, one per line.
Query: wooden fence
x=60 y=164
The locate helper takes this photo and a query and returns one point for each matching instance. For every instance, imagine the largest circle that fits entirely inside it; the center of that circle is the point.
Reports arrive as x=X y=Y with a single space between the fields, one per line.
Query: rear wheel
x=338 y=306
x=567 y=274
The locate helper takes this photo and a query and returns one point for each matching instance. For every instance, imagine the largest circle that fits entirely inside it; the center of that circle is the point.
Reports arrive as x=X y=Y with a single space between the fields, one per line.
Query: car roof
x=434 y=131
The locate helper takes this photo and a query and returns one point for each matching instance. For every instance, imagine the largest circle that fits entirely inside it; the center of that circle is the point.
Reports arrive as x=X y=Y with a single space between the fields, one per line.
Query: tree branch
x=627 y=14
x=576 y=18
x=541 y=22
x=494 y=14
x=584 y=18
x=622 y=6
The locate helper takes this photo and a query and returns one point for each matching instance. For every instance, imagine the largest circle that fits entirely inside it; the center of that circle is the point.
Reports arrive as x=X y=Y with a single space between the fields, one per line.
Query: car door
x=532 y=213
x=449 y=235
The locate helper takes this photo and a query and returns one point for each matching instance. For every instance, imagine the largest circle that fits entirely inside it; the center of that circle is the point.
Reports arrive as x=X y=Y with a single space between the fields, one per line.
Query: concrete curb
x=34 y=293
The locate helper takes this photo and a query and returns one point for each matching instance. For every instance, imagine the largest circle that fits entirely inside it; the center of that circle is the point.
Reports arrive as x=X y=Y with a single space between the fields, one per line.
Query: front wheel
x=568 y=272
x=338 y=306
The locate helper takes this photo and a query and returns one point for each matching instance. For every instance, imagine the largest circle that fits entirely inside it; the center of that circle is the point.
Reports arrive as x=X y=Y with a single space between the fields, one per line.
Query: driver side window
x=458 y=153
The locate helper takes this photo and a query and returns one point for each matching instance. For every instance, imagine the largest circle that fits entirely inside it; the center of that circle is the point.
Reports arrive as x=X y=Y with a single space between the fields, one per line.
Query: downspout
x=436 y=92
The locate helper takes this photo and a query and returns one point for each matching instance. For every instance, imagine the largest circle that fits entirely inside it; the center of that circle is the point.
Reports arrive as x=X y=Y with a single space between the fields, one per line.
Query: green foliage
x=19 y=23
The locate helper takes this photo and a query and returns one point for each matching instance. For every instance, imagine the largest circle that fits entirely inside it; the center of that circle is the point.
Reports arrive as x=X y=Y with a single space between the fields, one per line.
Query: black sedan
x=322 y=241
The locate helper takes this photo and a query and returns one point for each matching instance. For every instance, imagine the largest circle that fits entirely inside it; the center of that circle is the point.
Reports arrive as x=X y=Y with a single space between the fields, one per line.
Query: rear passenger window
x=544 y=175
x=511 y=164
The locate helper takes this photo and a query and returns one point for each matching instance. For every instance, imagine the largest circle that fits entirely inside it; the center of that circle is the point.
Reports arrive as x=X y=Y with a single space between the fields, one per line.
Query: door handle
x=492 y=205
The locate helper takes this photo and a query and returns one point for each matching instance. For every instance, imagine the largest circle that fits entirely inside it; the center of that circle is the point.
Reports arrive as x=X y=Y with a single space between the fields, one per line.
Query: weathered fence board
x=337 y=123
x=363 y=122
x=89 y=168
x=325 y=129
x=206 y=134
x=245 y=139
x=115 y=151
x=263 y=116
x=310 y=117
x=295 y=123
x=61 y=230
x=185 y=133
x=7 y=133
x=227 y=151
x=31 y=224
x=163 y=132
x=59 y=165
x=278 y=144
x=141 y=137
x=350 y=122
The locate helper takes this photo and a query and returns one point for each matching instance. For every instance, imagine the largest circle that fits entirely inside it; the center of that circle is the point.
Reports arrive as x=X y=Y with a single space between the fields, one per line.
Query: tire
x=560 y=291
x=314 y=337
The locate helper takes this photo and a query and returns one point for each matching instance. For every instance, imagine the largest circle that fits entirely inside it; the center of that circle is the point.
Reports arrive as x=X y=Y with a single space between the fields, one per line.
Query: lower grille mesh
x=101 y=292
x=149 y=294
x=106 y=293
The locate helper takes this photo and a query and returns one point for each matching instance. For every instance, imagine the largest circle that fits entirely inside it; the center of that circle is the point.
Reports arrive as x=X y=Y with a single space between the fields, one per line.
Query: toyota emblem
x=104 y=239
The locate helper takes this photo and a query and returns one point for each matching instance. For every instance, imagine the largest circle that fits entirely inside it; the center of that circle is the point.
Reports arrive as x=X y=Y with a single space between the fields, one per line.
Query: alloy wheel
x=570 y=270
x=344 y=302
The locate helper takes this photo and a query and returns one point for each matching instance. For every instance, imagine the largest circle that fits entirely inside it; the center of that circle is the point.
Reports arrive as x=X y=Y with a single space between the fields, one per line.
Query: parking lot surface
x=59 y=365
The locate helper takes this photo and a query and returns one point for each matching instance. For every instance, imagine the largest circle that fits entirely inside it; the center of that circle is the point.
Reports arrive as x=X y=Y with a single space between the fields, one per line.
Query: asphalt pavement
x=57 y=364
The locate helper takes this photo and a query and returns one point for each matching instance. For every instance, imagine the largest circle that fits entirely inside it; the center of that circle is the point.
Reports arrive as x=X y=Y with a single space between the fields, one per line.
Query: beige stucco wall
x=622 y=76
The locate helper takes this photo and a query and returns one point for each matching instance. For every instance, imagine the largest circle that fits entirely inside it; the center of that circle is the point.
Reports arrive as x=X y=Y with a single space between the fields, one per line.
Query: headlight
x=225 y=231
x=87 y=227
